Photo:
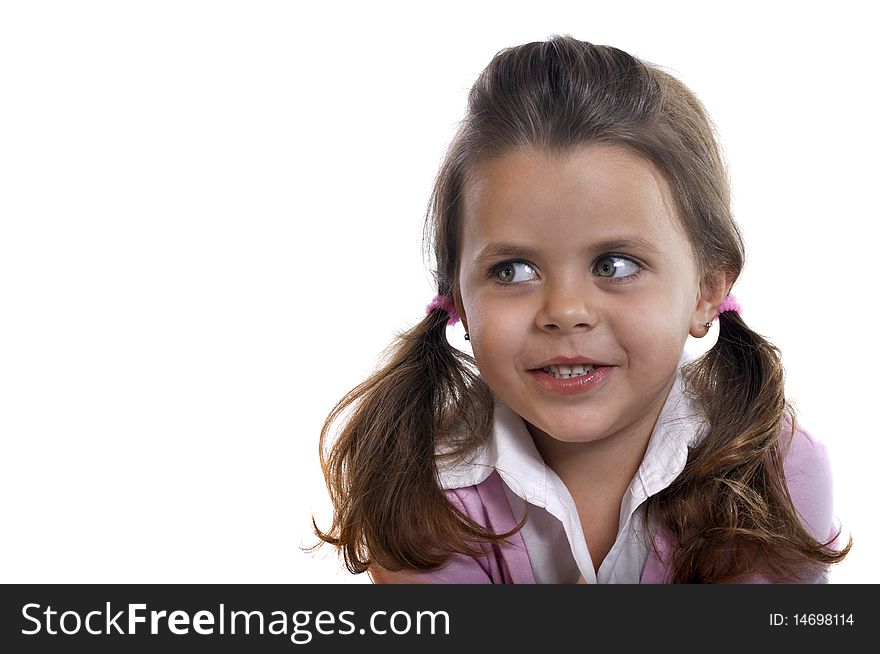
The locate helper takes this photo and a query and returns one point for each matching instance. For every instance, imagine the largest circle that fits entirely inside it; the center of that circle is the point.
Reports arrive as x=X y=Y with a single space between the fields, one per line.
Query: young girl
x=582 y=229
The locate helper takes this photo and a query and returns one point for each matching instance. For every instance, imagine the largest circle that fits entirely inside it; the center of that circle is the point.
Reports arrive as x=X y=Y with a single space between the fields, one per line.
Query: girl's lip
x=572 y=385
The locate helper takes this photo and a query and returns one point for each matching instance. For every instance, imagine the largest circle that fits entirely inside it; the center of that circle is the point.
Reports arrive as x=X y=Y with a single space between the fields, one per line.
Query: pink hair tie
x=445 y=303
x=729 y=304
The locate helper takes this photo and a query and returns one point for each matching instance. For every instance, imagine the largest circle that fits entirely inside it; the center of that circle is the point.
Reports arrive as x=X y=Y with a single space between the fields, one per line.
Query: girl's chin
x=565 y=433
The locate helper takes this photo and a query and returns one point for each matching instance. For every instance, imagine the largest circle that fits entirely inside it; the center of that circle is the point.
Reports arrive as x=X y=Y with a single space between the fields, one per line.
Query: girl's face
x=577 y=259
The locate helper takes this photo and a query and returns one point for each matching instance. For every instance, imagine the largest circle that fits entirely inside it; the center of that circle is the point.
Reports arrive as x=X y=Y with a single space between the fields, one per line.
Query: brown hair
x=729 y=511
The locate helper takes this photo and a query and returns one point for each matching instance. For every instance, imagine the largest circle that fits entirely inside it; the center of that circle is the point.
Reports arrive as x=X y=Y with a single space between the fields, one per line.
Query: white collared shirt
x=552 y=534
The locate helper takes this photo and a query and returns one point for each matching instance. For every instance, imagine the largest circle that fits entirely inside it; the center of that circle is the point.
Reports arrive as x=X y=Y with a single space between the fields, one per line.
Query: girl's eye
x=510 y=272
x=609 y=265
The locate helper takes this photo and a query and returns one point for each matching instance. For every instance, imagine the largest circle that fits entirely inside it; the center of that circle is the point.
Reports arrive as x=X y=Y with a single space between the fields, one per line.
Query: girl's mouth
x=570 y=380
x=566 y=372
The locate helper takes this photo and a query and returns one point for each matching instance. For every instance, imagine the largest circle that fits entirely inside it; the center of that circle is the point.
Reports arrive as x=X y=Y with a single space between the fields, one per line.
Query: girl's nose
x=567 y=308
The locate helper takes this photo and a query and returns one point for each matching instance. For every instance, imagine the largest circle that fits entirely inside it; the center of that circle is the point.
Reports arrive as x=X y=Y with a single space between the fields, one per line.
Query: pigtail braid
x=380 y=471
x=730 y=511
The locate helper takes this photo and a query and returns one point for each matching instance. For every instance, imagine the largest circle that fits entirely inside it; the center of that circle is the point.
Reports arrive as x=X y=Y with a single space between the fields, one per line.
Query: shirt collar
x=511 y=451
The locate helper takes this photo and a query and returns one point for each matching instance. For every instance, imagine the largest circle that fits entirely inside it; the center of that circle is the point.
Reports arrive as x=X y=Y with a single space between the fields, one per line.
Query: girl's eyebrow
x=633 y=242
x=503 y=249
x=493 y=250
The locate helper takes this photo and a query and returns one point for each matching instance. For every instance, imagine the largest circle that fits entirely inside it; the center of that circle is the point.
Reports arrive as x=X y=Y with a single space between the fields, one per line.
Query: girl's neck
x=601 y=467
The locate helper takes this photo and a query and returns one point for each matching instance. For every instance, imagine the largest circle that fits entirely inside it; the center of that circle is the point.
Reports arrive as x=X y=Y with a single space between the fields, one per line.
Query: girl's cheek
x=483 y=310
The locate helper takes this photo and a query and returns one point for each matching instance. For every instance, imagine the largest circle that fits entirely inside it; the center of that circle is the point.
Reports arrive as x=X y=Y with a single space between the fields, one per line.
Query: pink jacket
x=808 y=474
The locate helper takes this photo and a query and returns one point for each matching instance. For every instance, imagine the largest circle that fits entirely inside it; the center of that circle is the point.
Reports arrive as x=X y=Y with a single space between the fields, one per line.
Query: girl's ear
x=459 y=309
x=713 y=289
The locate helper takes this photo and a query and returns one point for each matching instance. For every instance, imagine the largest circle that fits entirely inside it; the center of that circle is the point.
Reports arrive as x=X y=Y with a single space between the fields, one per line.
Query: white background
x=211 y=215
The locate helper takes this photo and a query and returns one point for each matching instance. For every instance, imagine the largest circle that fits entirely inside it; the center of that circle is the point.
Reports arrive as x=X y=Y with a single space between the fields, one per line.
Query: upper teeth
x=568 y=371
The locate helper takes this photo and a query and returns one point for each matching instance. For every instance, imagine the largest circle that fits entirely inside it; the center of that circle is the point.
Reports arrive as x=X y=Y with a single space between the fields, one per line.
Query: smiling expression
x=582 y=257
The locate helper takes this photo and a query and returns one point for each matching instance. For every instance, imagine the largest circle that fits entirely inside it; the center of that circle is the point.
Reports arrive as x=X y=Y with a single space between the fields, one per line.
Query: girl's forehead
x=597 y=187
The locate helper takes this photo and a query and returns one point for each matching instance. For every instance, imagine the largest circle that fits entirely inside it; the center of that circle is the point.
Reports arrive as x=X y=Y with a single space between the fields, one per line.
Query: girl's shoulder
x=808 y=476
x=802 y=450
x=486 y=504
